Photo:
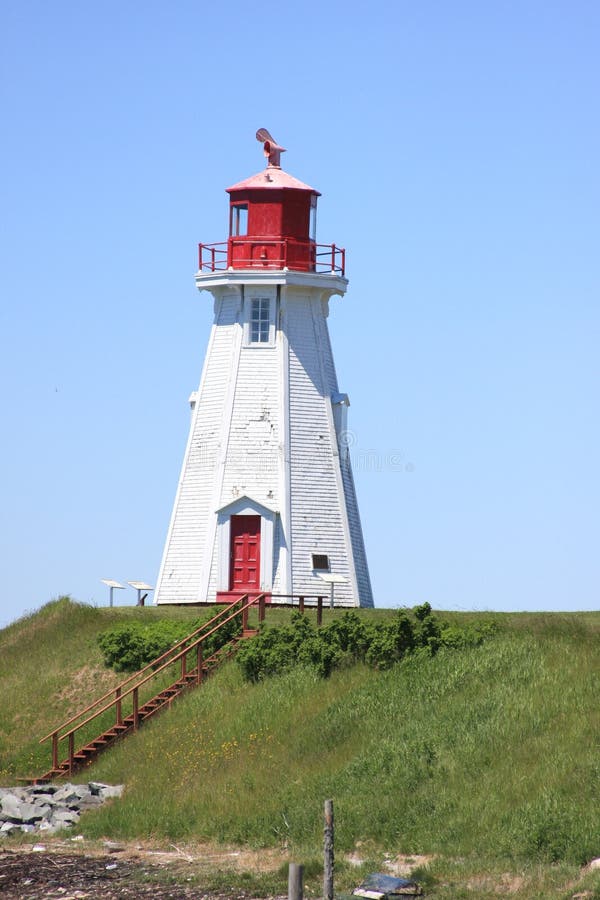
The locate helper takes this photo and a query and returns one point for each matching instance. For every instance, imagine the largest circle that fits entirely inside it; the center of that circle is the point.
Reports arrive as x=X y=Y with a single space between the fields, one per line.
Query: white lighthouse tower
x=266 y=499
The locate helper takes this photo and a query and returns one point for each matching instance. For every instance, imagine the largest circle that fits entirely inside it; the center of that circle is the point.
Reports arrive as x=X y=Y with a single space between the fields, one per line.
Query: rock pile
x=50 y=807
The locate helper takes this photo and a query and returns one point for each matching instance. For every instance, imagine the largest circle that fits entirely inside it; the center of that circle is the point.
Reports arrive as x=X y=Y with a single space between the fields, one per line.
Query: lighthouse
x=266 y=501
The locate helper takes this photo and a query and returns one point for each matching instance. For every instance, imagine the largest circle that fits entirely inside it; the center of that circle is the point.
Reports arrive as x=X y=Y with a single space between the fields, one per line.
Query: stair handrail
x=150 y=665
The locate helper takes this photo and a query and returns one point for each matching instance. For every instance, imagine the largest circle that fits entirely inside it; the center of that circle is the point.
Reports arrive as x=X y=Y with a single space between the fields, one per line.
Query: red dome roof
x=272 y=177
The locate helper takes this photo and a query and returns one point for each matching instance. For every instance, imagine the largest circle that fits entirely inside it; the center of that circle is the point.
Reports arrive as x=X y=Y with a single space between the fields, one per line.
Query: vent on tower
x=320 y=562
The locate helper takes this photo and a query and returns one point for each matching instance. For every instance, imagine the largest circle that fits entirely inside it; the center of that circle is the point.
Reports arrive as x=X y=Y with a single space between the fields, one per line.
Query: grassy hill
x=485 y=758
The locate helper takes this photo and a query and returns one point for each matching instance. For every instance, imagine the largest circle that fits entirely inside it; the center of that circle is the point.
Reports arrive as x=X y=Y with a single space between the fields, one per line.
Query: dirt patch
x=201 y=857
x=403 y=866
x=504 y=884
x=32 y=876
x=120 y=871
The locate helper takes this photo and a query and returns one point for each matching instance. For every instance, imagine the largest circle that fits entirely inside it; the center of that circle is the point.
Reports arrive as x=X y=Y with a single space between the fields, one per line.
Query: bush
x=131 y=647
x=347 y=640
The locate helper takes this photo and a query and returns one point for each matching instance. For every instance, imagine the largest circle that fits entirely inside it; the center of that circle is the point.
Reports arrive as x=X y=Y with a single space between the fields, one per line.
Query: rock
x=49 y=808
x=11 y=808
x=594 y=863
x=41 y=810
x=108 y=791
x=72 y=793
x=44 y=799
x=62 y=817
x=30 y=813
x=43 y=789
x=96 y=786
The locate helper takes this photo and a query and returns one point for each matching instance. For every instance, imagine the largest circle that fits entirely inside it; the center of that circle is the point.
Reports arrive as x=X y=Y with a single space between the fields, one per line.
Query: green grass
x=51 y=667
x=486 y=759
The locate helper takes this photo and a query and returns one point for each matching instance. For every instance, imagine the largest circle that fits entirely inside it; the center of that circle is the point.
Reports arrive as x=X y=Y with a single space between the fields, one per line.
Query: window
x=239 y=220
x=320 y=562
x=260 y=320
x=313 y=218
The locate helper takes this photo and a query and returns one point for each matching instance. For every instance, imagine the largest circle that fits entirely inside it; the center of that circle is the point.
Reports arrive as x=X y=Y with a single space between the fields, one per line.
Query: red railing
x=128 y=691
x=327 y=258
x=129 y=688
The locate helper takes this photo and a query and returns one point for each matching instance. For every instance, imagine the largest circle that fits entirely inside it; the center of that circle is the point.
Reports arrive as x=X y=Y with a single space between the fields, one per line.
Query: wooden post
x=183 y=666
x=136 y=709
x=55 y=750
x=261 y=608
x=328 y=851
x=319 y=611
x=199 y=663
x=119 y=706
x=301 y=605
x=244 y=618
x=295 y=881
x=71 y=752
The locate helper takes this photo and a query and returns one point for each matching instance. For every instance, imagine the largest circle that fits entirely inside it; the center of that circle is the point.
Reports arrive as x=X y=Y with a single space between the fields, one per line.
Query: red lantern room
x=272 y=224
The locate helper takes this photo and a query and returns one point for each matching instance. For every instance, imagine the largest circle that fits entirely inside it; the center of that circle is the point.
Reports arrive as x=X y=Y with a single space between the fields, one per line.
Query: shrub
x=347 y=640
x=130 y=647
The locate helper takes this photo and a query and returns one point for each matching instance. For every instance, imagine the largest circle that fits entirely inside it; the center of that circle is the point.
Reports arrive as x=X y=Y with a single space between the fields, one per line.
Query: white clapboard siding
x=356 y=535
x=251 y=464
x=179 y=577
x=263 y=435
x=317 y=505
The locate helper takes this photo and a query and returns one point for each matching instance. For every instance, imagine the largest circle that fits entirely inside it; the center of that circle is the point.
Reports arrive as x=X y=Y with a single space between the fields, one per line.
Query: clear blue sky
x=456 y=145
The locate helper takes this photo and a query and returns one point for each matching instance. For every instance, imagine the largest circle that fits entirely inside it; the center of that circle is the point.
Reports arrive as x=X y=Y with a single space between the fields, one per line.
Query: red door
x=244 y=572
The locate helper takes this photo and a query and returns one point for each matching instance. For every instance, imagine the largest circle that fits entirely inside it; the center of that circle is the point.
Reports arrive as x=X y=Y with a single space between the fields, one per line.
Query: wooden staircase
x=133 y=689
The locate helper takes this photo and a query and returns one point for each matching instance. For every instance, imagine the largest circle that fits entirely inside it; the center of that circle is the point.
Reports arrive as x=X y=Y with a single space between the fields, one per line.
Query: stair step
x=149 y=708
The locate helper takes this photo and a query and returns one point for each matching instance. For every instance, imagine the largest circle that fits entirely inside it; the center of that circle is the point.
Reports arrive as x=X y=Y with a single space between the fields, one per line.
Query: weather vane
x=272 y=149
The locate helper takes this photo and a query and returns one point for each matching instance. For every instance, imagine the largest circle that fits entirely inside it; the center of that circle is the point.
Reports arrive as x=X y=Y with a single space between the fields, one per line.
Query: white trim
x=245 y=506
x=247 y=502
x=285 y=481
x=334 y=284
x=255 y=293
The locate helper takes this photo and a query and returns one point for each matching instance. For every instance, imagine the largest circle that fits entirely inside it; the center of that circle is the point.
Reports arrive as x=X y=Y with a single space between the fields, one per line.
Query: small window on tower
x=320 y=562
x=239 y=220
x=313 y=218
x=260 y=320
